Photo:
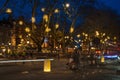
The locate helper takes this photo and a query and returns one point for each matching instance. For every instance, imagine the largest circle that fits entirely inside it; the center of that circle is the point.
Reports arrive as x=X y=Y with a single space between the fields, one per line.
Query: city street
x=59 y=40
x=34 y=71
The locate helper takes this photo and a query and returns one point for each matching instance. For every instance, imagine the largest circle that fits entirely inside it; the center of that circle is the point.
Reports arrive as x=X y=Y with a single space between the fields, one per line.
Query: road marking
x=25 y=72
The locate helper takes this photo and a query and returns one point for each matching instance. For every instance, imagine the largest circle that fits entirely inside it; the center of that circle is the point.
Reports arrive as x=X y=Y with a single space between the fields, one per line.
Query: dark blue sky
x=27 y=9
x=114 y=4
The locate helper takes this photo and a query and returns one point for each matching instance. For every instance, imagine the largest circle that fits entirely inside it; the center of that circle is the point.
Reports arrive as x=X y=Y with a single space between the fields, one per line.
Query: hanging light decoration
x=71 y=30
x=33 y=19
x=8 y=10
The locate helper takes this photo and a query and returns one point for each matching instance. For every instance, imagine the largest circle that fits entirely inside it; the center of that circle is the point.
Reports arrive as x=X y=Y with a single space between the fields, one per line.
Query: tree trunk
x=39 y=48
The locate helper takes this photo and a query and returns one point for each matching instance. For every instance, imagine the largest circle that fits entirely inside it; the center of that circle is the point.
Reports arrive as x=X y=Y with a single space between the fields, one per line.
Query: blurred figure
x=71 y=64
x=76 y=58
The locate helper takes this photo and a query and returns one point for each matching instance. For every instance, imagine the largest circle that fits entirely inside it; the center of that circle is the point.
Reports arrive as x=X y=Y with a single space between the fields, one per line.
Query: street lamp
x=43 y=9
x=67 y=5
x=20 y=22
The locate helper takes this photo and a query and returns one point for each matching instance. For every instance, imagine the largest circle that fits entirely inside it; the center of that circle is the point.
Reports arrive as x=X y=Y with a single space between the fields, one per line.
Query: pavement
x=34 y=71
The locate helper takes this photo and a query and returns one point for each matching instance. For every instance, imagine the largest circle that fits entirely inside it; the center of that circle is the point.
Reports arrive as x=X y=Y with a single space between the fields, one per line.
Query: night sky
x=114 y=4
x=27 y=9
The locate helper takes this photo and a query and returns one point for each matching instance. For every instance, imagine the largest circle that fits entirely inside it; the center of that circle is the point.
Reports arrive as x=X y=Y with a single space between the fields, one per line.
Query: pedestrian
x=91 y=58
x=70 y=61
x=76 y=58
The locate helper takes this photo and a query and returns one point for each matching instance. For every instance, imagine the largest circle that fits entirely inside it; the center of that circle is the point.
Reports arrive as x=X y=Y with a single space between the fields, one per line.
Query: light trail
x=34 y=60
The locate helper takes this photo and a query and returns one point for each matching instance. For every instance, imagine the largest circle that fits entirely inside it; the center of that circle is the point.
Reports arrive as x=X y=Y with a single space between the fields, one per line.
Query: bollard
x=47 y=65
x=102 y=59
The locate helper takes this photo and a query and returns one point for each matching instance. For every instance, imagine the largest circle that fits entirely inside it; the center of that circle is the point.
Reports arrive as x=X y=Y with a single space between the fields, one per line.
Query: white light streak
x=11 y=61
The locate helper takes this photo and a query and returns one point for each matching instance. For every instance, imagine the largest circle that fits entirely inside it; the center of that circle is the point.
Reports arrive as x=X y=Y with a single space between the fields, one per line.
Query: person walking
x=76 y=58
